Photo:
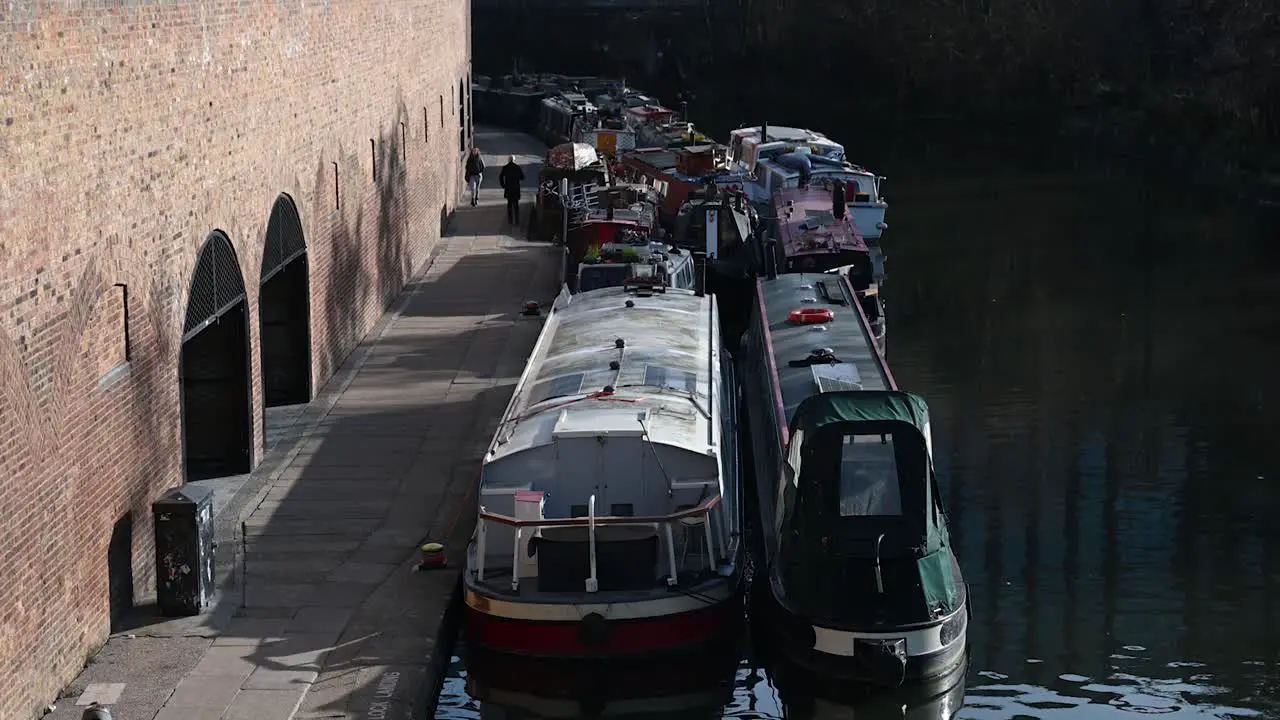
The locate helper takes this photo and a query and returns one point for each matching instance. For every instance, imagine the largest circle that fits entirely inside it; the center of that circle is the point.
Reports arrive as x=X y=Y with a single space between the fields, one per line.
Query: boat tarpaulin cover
x=902 y=411
x=572 y=156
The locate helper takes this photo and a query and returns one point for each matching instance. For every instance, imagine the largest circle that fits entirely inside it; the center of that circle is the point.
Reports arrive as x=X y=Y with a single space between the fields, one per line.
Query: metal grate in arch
x=216 y=285
x=285 y=242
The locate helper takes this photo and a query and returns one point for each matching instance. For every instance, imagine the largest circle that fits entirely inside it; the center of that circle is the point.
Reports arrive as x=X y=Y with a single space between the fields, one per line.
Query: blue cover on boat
x=795 y=161
x=824 y=160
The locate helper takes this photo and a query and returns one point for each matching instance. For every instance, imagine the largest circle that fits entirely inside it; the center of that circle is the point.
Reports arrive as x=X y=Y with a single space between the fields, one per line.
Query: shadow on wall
x=355 y=279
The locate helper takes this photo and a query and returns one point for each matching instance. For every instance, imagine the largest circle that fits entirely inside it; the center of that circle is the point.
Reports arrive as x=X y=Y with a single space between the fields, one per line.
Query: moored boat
x=609 y=502
x=859 y=577
x=567 y=190
x=814 y=233
x=723 y=226
x=789 y=157
x=623 y=213
x=564 y=116
x=679 y=174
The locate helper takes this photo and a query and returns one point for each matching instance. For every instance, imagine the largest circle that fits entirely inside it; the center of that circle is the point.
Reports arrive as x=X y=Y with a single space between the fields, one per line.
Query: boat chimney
x=700 y=273
x=684 y=110
x=838 y=200
x=764 y=132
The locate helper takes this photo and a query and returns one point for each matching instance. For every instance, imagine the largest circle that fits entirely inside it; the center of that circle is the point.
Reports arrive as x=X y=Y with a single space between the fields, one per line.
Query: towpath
x=321 y=614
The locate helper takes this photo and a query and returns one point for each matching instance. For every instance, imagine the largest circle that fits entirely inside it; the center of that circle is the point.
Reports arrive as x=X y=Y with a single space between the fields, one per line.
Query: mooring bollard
x=432 y=557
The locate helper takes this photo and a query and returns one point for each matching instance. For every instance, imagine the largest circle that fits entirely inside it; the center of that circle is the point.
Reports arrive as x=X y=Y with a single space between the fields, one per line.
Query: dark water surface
x=1102 y=361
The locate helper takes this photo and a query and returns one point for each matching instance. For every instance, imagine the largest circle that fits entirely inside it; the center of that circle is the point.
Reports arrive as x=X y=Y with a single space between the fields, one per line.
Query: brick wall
x=130 y=130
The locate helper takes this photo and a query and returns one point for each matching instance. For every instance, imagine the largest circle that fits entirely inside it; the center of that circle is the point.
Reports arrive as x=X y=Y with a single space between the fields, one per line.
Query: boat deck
x=848 y=337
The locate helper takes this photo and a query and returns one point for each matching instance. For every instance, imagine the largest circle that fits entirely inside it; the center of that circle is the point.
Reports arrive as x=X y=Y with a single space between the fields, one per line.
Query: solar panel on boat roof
x=837 y=377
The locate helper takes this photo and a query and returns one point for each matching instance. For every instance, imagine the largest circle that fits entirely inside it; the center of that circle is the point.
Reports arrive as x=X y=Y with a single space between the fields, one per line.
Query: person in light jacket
x=510 y=179
x=475 y=172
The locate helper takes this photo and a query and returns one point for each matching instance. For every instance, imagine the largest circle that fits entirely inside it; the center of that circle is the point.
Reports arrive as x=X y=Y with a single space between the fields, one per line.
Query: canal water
x=1102 y=360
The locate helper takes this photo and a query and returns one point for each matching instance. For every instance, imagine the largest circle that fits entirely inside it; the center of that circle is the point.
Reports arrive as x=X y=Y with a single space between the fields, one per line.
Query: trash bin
x=184 y=550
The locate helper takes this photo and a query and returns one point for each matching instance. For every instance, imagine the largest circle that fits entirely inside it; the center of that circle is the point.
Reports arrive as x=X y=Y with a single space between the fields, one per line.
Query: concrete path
x=321 y=614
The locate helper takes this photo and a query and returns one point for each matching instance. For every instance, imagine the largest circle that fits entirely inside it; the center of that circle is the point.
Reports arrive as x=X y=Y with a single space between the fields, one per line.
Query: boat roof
x=806 y=224
x=785 y=134
x=664 y=160
x=661 y=386
x=650 y=111
x=571 y=101
x=670 y=259
x=848 y=337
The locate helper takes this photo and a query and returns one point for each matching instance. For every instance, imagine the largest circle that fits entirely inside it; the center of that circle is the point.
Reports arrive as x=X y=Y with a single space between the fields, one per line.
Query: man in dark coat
x=510 y=179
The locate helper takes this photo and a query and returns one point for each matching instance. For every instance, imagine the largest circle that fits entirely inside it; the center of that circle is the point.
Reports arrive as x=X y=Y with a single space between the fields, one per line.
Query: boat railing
x=715 y=529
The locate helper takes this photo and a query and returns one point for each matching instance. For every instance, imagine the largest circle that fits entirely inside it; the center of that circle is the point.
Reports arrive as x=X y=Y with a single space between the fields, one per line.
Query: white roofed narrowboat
x=609 y=509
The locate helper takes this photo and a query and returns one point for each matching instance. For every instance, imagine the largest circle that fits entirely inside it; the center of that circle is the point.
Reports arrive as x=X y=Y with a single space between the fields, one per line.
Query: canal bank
x=320 y=612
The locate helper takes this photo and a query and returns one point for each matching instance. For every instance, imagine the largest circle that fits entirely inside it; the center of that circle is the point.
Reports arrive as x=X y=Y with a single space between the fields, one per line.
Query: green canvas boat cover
x=908 y=414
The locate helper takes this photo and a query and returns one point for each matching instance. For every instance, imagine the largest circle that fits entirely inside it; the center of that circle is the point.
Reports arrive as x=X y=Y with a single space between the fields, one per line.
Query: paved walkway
x=323 y=616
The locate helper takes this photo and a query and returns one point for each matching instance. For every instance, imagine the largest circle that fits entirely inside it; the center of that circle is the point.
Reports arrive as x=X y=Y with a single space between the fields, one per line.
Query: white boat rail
x=663 y=522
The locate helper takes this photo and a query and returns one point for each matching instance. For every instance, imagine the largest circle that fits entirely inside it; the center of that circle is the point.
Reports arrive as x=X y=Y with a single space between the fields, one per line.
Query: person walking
x=510 y=179
x=475 y=173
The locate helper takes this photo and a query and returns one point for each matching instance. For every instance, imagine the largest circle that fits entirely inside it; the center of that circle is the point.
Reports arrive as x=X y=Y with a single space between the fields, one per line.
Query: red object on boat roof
x=811 y=316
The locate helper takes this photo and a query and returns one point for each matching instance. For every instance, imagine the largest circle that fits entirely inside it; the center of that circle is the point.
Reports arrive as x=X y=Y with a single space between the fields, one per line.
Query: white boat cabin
x=614 y=469
x=775 y=162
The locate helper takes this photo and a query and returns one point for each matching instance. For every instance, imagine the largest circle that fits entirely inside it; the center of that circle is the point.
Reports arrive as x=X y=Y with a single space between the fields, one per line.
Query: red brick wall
x=127 y=134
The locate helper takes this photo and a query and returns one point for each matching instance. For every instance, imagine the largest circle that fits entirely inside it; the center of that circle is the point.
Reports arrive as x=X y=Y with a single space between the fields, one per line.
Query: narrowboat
x=786 y=157
x=564 y=116
x=623 y=213
x=680 y=173
x=609 y=501
x=814 y=233
x=515 y=100
x=723 y=226
x=858 y=579
x=616 y=264
x=567 y=185
x=510 y=101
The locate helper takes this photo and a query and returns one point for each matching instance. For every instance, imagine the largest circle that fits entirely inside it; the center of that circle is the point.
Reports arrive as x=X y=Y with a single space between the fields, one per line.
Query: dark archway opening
x=462 y=117
x=284 y=310
x=217 y=433
x=120 y=570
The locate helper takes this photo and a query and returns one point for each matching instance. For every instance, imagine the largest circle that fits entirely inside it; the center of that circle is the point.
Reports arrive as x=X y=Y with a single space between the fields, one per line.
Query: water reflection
x=1100 y=360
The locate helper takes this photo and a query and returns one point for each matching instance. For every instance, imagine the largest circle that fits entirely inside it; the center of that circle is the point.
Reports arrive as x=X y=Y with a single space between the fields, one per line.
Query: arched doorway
x=217 y=434
x=284 y=310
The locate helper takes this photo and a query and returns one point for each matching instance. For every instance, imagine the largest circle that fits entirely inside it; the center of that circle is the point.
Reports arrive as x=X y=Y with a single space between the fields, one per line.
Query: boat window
x=685 y=277
x=869 y=477
x=602 y=276
x=555 y=387
x=658 y=376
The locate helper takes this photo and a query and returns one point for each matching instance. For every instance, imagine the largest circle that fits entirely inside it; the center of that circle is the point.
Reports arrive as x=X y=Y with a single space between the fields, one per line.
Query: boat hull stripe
x=672 y=604
x=924 y=641
x=642 y=636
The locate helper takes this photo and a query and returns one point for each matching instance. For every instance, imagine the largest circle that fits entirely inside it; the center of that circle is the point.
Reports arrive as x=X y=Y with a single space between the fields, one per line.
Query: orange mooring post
x=432 y=557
